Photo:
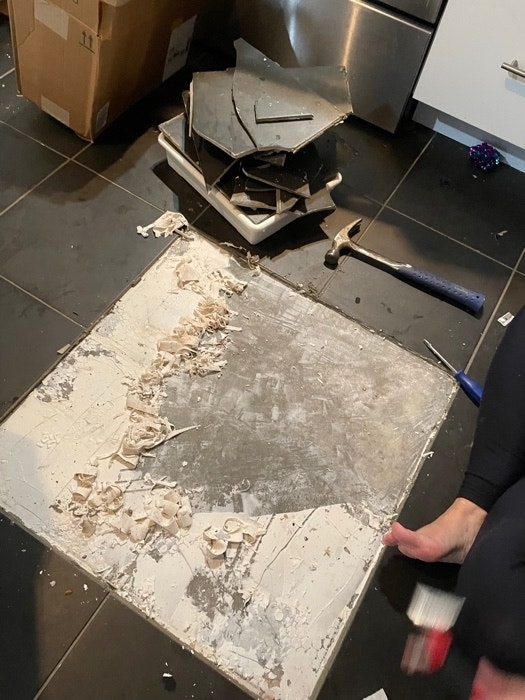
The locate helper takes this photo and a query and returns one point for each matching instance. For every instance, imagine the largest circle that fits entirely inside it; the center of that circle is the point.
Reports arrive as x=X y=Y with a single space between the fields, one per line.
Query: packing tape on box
x=55 y=18
x=55 y=110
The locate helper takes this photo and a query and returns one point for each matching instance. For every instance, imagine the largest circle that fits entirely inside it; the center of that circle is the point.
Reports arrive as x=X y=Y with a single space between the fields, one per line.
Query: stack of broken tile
x=251 y=131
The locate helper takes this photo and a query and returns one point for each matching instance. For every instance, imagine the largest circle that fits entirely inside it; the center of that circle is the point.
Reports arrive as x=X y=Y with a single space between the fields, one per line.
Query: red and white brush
x=434 y=613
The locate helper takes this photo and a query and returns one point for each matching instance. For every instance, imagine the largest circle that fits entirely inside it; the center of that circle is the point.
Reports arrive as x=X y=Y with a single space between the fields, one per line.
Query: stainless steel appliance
x=381 y=45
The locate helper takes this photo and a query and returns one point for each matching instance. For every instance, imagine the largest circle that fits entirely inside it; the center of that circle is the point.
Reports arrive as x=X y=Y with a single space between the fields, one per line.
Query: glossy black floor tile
x=373 y=162
x=129 y=154
x=382 y=301
x=132 y=166
x=73 y=242
x=6 y=48
x=32 y=333
x=25 y=116
x=483 y=210
x=45 y=602
x=24 y=163
x=136 y=661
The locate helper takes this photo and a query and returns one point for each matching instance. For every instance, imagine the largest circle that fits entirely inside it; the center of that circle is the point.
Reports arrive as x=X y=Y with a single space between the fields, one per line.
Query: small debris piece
x=52 y=584
x=63 y=349
x=168 y=224
x=505 y=319
x=68 y=591
x=253 y=263
x=379 y=695
x=500 y=234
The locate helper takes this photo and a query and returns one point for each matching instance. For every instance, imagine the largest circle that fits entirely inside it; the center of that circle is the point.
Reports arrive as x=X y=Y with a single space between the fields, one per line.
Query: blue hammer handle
x=466 y=297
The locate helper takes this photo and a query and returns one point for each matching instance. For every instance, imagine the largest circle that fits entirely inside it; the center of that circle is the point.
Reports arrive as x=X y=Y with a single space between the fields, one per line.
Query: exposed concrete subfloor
x=312 y=434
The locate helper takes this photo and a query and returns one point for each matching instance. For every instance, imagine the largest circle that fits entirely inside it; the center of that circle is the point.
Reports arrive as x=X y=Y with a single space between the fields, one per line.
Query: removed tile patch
x=270 y=609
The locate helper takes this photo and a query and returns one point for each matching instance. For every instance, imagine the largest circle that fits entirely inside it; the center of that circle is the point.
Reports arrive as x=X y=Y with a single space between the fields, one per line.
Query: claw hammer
x=343 y=241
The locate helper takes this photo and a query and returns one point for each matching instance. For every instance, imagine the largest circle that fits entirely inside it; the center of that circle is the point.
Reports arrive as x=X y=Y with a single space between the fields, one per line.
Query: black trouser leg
x=497 y=458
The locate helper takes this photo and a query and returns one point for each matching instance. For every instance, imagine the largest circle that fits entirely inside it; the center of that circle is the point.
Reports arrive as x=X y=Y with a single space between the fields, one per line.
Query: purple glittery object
x=484 y=156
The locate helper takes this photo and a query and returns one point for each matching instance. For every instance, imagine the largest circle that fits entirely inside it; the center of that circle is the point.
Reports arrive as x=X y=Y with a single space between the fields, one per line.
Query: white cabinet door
x=462 y=75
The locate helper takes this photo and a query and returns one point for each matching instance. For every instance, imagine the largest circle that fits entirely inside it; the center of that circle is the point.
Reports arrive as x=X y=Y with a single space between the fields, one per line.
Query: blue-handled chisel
x=470 y=386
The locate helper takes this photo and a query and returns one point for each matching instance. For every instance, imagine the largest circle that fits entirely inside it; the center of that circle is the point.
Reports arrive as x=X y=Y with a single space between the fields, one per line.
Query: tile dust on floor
x=301 y=445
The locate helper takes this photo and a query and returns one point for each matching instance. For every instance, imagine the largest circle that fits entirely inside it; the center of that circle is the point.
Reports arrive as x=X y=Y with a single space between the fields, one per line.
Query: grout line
x=112 y=182
x=71 y=159
x=495 y=311
x=454 y=240
x=4 y=75
x=416 y=161
x=44 y=303
x=42 y=143
x=70 y=648
x=407 y=173
x=32 y=189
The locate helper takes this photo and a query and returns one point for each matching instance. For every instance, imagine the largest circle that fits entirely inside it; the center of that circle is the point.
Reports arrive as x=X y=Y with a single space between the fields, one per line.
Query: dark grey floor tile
x=445 y=191
x=371 y=161
x=131 y=662
x=128 y=151
x=23 y=164
x=32 y=333
x=73 y=242
x=6 y=48
x=31 y=120
x=135 y=166
x=382 y=301
x=45 y=602
x=180 y=196
x=297 y=252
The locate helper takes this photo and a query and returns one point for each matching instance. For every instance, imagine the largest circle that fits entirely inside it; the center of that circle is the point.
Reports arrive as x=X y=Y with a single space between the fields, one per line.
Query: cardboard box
x=86 y=61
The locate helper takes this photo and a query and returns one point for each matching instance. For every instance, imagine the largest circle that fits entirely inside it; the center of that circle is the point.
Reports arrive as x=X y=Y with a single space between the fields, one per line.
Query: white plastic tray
x=254 y=233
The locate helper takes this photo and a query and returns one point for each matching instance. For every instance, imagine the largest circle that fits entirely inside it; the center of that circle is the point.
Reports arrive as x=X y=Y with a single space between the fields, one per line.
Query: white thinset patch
x=310 y=432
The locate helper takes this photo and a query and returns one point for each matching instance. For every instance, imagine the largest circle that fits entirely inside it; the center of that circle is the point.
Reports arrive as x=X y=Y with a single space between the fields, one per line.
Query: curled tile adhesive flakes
x=195 y=347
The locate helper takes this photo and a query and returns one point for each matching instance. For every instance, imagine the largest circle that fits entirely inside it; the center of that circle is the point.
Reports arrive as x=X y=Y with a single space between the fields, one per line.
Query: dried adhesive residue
x=195 y=347
x=224 y=543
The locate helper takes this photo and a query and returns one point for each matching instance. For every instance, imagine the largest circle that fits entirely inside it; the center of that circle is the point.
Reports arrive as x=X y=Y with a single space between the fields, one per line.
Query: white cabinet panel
x=462 y=75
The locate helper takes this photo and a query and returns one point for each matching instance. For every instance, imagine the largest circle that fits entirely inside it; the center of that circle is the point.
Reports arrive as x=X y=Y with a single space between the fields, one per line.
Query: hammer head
x=341 y=242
